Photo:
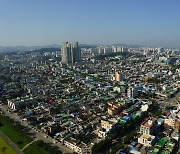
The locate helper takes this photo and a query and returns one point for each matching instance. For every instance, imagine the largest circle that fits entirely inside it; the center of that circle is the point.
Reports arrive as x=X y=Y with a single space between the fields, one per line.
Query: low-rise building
x=173 y=120
x=18 y=103
x=77 y=146
x=132 y=92
x=114 y=108
x=146 y=140
x=148 y=126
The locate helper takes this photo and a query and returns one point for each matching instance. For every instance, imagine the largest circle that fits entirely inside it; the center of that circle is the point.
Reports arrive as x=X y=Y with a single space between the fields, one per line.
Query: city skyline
x=89 y=76
x=152 y=23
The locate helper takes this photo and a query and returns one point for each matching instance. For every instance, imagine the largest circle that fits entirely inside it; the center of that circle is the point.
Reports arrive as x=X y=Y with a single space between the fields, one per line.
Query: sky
x=152 y=23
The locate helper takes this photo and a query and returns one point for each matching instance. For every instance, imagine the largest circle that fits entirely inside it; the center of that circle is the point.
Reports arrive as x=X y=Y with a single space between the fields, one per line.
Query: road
x=175 y=99
x=36 y=134
x=28 y=144
x=171 y=101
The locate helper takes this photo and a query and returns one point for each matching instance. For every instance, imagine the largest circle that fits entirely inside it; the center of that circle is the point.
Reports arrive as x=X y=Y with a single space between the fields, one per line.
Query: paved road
x=11 y=143
x=175 y=99
x=28 y=144
x=38 y=135
x=171 y=101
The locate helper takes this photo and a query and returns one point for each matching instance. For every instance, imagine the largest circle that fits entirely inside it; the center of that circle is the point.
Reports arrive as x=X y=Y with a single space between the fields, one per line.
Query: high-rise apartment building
x=71 y=53
x=76 y=52
x=119 y=49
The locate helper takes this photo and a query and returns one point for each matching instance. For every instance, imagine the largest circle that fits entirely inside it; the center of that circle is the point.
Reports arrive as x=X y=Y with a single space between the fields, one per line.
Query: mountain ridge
x=22 y=48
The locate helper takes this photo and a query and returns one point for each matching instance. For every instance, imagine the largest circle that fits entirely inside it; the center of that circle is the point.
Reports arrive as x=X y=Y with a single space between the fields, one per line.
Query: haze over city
x=149 y=23
x=89 y=77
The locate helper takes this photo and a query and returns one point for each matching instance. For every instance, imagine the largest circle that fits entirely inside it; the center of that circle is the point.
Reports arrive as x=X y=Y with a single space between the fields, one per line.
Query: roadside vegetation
x=39 y=147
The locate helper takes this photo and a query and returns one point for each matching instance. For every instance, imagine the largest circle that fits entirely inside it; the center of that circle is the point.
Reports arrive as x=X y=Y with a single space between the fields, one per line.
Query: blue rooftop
x=125 y=118
x=29 y=112
x=133 y=143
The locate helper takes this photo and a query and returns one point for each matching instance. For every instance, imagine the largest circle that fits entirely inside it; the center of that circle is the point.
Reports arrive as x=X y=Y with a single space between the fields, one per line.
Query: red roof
x=51 y=100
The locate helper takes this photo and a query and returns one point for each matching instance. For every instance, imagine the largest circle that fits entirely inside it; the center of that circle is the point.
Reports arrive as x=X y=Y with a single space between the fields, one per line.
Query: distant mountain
x=117 y=44
x=31 y=48
x=127 y=45
x=25 y=48
x=42 y=50
x=87 y=45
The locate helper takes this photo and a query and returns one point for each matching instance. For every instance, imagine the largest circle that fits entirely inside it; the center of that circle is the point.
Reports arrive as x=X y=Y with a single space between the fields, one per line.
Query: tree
x=19 y=142
x=157 y=113
x=169 y=107
x=129 y=137
x=117 y=147
x=102 y=146
x=3 y=149
x=1 y=124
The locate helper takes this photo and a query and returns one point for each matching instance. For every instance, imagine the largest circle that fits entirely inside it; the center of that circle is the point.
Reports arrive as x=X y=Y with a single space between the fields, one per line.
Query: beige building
x=177 y=125
x=173 y=120
x=105 y=128
x=112 y=111
x=114 y=108
x=118 y=76
x=106 y=124
x=170 y=122
x=146 y=140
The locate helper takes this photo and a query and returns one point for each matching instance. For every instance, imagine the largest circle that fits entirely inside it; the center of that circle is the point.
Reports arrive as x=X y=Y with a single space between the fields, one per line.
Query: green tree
x=3 y=149
x=169 y=107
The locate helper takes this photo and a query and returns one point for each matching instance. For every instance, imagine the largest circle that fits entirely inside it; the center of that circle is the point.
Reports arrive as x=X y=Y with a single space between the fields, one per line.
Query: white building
x=77 y=146
x=144 y=107
x=18 y=103
x=119 y=49
x=102 y=133
x=148 y=127
x=132 y=92
x=107 y=50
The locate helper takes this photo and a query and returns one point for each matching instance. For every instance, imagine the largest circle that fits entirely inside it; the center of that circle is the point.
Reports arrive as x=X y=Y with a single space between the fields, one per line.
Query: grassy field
x=19 y=136
x=39 y=147
x=14 y=132
x=5 y=148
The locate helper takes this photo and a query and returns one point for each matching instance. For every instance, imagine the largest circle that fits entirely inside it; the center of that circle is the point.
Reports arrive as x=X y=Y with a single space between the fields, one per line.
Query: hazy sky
x=42 y=22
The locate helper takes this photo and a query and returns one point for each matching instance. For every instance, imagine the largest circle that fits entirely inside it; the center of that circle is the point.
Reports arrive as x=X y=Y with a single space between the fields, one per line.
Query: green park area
x=15 y=132
x=5 y=148
x=18 y=134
